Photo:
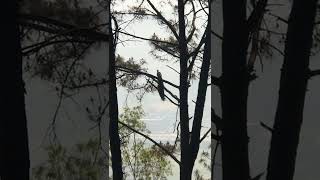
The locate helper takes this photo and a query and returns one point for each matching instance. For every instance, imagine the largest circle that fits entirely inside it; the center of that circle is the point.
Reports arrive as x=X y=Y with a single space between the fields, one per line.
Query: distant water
x=162 y=125
x=175 y=168
x=161 y=132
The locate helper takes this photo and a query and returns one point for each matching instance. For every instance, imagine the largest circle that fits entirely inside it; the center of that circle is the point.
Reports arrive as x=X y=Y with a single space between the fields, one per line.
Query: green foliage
x=127 y=79
x=83 y=162
x=205 y=162
x=86 y=161
x=140 y=160
x=130 y=63
x=145 y=162
x=168 y=45
x=71 y=11
x=129 y=75
x=132 y=117
x=55 y=57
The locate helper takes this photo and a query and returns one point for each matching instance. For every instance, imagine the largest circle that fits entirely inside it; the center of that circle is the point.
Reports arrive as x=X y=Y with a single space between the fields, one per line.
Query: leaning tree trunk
x=114 y=113
x=14 y=150
x=234 y=92
x=201 y=98
x=293 y=84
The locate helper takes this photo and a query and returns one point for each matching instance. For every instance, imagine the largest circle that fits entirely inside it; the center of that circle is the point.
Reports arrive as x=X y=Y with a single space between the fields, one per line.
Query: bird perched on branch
x=160 y=86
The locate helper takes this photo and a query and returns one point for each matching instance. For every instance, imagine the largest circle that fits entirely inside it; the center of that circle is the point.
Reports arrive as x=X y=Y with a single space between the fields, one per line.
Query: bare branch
x=217 y=35
x=278 y=18
x=150 y=139
x=87 y=85
x=172 y=95
x=147 y=39
x=266 y=127
x=173 y=69
x=144 y=73
x=314 y=73
x=205 y=135
x=197 y=50
x=193 y=22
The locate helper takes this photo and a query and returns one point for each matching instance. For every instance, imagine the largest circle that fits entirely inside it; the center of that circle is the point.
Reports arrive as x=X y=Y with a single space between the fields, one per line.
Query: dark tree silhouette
x=183 y=90
x=190 y=142
x=180 y=46
x=14 y=151
x=293 y=84
x=234 y=91
x=113 y=110
x=201 y=97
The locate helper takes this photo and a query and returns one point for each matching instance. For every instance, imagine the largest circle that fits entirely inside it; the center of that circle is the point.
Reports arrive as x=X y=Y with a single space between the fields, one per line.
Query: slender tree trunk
x=114 y=113
x=234 y=92
x=190 y=143
x=201 y=98
x=211 y=55
x=14 y=150
x=185 y=173
x=293 y=84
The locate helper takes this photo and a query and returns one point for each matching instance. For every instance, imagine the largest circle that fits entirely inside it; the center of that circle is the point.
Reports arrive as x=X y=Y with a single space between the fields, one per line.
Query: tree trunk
x=211 y=59
x=114 y=113
x=234 y=92
x=185 y=173
x=14 y=150
x=293 y=84
x=201 y=98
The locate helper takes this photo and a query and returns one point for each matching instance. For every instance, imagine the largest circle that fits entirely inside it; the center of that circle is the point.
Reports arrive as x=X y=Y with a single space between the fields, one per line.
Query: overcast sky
x=41 y=102
x=72 y=122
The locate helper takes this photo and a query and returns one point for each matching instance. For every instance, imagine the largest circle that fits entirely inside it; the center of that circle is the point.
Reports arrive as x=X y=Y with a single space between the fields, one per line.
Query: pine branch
x=147 y=39
x=24 y=19
x=161 y=17
x=144 y=73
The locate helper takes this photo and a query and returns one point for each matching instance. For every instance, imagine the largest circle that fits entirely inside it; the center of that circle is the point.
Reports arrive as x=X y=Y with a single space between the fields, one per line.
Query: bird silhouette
x=160 y=86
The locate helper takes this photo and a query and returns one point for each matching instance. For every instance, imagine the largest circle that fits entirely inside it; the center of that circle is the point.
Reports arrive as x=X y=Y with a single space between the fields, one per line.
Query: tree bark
x=293 y=84
x=201 y=98
x=190 y=142
x=116 y=159
x=14 y=150
x=185 y=173
x=234 y=92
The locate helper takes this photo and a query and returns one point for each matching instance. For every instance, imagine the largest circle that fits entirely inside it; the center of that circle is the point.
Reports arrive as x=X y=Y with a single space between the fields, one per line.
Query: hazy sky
x=161 y=115
x=41 y=102
x=72 y=122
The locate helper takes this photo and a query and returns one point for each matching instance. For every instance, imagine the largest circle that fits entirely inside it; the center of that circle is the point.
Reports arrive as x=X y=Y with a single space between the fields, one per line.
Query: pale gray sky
x=161 y=115
x=41 y=99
